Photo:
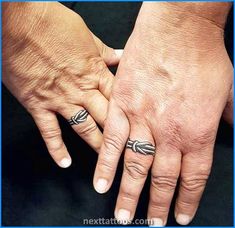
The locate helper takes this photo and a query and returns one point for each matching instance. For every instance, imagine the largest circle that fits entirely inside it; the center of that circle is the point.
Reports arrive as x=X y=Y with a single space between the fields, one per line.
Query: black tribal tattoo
x=145 y=147
x=80 y=117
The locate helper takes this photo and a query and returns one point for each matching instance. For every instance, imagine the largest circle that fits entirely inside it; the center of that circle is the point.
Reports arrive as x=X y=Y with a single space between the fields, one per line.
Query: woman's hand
x=171 y=88
x=53 y=64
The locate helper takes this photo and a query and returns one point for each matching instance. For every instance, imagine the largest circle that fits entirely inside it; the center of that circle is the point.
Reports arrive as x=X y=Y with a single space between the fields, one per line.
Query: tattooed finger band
x=145 y=147
x=80 y=117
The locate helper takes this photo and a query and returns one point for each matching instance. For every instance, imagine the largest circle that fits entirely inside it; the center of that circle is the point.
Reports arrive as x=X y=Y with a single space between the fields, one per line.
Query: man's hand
x=171 y=88
x=53 y=65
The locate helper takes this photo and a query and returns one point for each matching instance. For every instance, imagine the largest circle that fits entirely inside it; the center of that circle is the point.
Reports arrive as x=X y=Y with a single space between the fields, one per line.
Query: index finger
x=116 y=132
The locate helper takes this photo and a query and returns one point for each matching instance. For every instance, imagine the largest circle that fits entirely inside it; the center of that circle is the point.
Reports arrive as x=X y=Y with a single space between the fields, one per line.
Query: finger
x=116 y=132
x=136 y=166
x=97 y=105
x=194 y=174
x=106 y=82
x=84 y=125
x=110 y=56
x=164 y=175
x=49 y=127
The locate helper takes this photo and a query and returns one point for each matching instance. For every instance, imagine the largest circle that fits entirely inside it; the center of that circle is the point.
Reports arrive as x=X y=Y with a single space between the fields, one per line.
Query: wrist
x=200 y=12
x=17 y=11
x=20 y=19
x=183 y=24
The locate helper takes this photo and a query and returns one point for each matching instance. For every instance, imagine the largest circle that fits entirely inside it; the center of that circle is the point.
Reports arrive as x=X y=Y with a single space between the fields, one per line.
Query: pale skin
x=53 y=64
x=171 y=87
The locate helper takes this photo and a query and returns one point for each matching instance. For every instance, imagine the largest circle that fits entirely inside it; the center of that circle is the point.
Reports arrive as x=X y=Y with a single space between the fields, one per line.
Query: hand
x=171 y=88
x=53 y=65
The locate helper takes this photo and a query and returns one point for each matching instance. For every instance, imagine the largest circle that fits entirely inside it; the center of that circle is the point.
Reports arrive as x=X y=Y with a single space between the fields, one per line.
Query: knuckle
x=135 y=169
x=203 y=139
x=104 y=50
x=128 y=196
x=113 y=143
x=195 y=183
x=106 y=82
x=172 y=132
x=90 y=128
x=164 y=183
x=52 y=137
x=33 y=102
x=50 y=133
x=186 y=204
x=97 y=65
x=159 y=207
x=202 y=136
x=124 y=95
x=105 y=166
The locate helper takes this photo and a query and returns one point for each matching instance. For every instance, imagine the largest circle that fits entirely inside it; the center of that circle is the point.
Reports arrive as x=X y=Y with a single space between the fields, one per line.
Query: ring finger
x=84 y=125
x=138 y=158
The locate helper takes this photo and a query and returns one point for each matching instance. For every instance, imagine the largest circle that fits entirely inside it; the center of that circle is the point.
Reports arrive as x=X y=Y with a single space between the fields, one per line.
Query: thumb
x=110 y=56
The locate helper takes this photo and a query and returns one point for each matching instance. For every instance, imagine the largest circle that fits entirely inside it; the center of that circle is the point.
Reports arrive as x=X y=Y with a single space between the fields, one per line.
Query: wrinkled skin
x=171 y=88
x=53 y=65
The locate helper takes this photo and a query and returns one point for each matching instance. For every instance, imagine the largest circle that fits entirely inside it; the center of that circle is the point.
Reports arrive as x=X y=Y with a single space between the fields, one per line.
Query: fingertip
x=118 y=53
x=65 y=162
x=156 y=222
x=112 y=56
x=183 y=219
x=101 y=185
x=123 y=216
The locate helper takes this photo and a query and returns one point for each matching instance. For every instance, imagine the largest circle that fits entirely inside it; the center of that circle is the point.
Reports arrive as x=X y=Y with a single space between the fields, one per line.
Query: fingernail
x=101 y=185
x=65 y=162
x=123 y=216
x=118 y=52
x=156 y=222
x=183 y=219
